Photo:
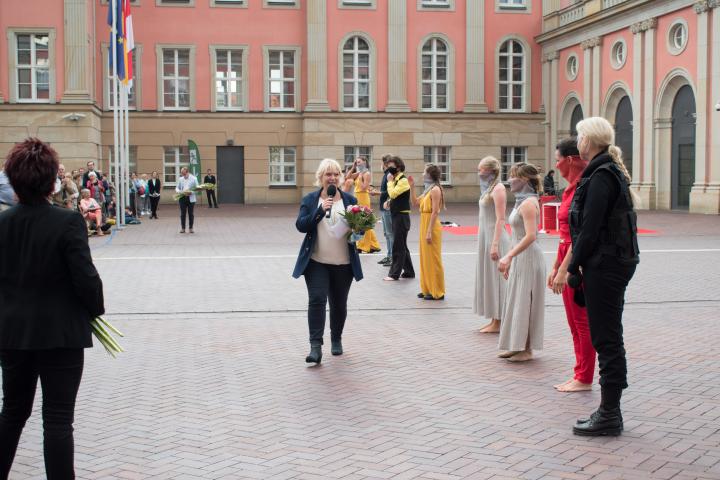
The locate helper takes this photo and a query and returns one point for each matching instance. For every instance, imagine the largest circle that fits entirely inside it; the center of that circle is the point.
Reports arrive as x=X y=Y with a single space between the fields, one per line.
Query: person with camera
x=49 y=293
x=605 y=254
x=326 y=259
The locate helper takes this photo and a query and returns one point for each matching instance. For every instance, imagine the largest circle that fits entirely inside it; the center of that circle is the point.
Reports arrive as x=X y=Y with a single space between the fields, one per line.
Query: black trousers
x=187 y=209
x=133 y=204
x=327 y=284
x=153 y=206
x=401 y=261
x=605 y=300
x=60 y=371
x=212 y=200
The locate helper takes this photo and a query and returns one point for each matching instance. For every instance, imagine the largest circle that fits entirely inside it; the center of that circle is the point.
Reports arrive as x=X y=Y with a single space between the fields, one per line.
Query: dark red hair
x=31 y=167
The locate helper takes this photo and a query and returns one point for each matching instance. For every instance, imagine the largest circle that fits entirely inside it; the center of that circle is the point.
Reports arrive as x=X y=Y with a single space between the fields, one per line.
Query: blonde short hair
x=325 y=165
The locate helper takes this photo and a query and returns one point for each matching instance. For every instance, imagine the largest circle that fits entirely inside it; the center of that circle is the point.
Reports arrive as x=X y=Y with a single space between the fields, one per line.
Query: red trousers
x=580 y=328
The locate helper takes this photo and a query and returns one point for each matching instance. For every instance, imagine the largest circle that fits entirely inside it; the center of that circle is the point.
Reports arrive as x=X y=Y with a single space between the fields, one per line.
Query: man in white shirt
x=185 y=184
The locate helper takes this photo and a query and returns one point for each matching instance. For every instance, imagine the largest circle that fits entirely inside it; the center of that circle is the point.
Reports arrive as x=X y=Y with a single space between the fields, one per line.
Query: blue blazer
x=310 y=215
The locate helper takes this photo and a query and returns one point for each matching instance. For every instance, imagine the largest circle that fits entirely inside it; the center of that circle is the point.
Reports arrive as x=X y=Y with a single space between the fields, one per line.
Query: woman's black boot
x=607 y=420
x=315 y=355
x=336 y=348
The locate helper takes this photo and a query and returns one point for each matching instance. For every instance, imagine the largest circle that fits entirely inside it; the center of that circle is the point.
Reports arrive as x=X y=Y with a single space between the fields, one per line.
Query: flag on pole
x=194 y=158
x=117 y=28
x=128 y=44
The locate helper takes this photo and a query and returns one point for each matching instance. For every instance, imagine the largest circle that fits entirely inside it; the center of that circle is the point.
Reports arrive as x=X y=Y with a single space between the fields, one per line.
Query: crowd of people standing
x=596 y=257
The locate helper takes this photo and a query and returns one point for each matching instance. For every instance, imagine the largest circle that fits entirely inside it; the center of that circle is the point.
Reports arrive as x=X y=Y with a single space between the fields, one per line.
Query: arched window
x=356 y=74
x=435 y=75
x=511 y=76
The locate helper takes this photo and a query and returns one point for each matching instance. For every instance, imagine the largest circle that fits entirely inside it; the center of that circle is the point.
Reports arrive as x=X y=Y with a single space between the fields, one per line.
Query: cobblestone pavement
x=214 y=384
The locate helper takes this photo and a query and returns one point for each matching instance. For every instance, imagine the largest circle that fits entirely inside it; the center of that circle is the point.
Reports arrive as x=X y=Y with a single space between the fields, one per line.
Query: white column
x=77 y=53
x=475 y=57
x=637 y=102
x=648 y=178
x=397 y=57
x=596 y=74
x=587 y=78
x=714 y=173
x=317 y=56
x=553 y=58
x=547 y=107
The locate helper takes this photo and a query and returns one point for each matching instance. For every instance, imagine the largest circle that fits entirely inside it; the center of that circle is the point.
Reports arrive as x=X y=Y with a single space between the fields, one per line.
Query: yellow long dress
x=369 y=242
x=432 y=274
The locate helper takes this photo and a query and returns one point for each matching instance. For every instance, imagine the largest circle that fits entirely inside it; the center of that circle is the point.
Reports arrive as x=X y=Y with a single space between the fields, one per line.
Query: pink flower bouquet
x=359 y=219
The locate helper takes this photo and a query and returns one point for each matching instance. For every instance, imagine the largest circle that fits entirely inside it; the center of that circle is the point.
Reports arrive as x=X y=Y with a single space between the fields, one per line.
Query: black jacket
x=49 y=288
x=154 y=186
x=210 y=179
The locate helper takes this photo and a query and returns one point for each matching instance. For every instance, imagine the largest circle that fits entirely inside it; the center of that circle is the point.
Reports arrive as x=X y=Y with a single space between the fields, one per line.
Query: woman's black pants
x=401 y=261
x=59 y=371
x=186 y=209
x=327 y=284
x=153 y=205
x=605 y=300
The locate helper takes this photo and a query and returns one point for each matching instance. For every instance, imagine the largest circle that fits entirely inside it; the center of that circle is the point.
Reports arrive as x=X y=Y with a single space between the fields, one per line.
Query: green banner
x=194 y=159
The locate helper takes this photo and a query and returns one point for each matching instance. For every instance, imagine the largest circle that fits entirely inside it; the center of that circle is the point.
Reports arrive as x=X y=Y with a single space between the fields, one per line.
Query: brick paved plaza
x=214 y=384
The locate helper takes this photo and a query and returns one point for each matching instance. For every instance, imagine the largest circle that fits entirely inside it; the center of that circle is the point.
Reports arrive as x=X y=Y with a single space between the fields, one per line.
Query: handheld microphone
x=331 y=191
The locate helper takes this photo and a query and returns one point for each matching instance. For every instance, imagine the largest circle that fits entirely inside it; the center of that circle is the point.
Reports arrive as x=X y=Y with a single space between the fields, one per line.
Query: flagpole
x=119 y=210
x=126 y=137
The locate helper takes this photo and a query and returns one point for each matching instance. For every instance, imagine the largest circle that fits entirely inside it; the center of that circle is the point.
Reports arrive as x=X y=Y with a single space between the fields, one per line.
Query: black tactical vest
x=618 y=234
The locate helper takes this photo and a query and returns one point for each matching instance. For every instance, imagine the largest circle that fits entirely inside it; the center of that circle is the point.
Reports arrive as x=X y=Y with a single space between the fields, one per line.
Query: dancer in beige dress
x=493 y=243
x=521 y=330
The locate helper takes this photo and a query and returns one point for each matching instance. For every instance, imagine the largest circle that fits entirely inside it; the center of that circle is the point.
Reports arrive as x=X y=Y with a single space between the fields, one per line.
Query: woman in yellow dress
x=369 y=243
x=432 y=274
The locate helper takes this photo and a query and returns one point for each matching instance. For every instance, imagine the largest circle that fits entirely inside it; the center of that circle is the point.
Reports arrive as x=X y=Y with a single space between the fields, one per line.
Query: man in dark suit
x=49 y=293
x=210 y=178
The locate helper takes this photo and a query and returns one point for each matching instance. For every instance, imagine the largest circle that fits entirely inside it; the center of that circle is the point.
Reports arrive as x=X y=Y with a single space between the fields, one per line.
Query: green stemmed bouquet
x=200 y=188
x=100 y=328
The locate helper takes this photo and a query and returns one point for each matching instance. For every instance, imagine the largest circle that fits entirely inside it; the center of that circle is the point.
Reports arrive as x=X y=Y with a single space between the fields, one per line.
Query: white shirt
x=331 y=246
x=186 y=184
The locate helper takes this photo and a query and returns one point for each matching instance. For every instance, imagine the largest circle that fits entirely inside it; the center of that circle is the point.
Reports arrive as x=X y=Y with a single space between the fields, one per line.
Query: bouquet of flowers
x=200 y=188
x=359 y=219
x=100 y=328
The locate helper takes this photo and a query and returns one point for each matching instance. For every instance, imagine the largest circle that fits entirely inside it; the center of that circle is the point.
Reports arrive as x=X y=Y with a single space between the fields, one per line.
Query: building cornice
x=611 y=19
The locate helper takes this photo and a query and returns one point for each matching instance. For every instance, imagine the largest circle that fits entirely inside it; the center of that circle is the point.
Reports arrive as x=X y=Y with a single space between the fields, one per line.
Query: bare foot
x=492 y=327
x=523 y=356
x=507 y=354
x=390 y=279
x=563 y=384
x=575 y=386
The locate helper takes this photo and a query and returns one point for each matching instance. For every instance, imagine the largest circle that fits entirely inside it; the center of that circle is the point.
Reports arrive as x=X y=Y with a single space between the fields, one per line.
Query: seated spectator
x=70 y=193
x=91 y=210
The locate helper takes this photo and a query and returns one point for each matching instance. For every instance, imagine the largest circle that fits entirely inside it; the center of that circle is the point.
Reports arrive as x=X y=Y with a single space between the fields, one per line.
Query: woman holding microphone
x=605 y=254
x=326 y=259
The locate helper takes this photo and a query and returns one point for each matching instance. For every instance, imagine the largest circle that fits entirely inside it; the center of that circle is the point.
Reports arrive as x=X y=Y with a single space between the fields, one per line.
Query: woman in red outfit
x=571 y=167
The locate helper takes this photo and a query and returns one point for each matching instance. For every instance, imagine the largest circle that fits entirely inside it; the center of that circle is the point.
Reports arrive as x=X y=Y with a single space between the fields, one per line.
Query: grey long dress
x=524 y=312
x=489 y=284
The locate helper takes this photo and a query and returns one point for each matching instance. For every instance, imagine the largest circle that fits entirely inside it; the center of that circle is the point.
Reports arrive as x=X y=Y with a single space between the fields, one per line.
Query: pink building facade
x=653 y=69
x=267 y=88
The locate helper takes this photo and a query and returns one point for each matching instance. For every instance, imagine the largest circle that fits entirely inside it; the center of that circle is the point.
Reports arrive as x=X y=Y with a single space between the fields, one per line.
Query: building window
x=510 y=156
x=439 y=4
x=618 y=54
x=176 y=79
x=351 y=153
x=282 y=165
x=434 y=75
x=282 y=79
x=132 y=97
x=572 y=67
x=356 y=3
x=175 y=3
x=356 y=74
x=132 y=161
x=229 y=88
x=174 y=159
x=229 y=3
x=511 y=76
x=677 y=37
x=32 y=63
x=512 y=4
x=439 y=156
x=281 y=3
